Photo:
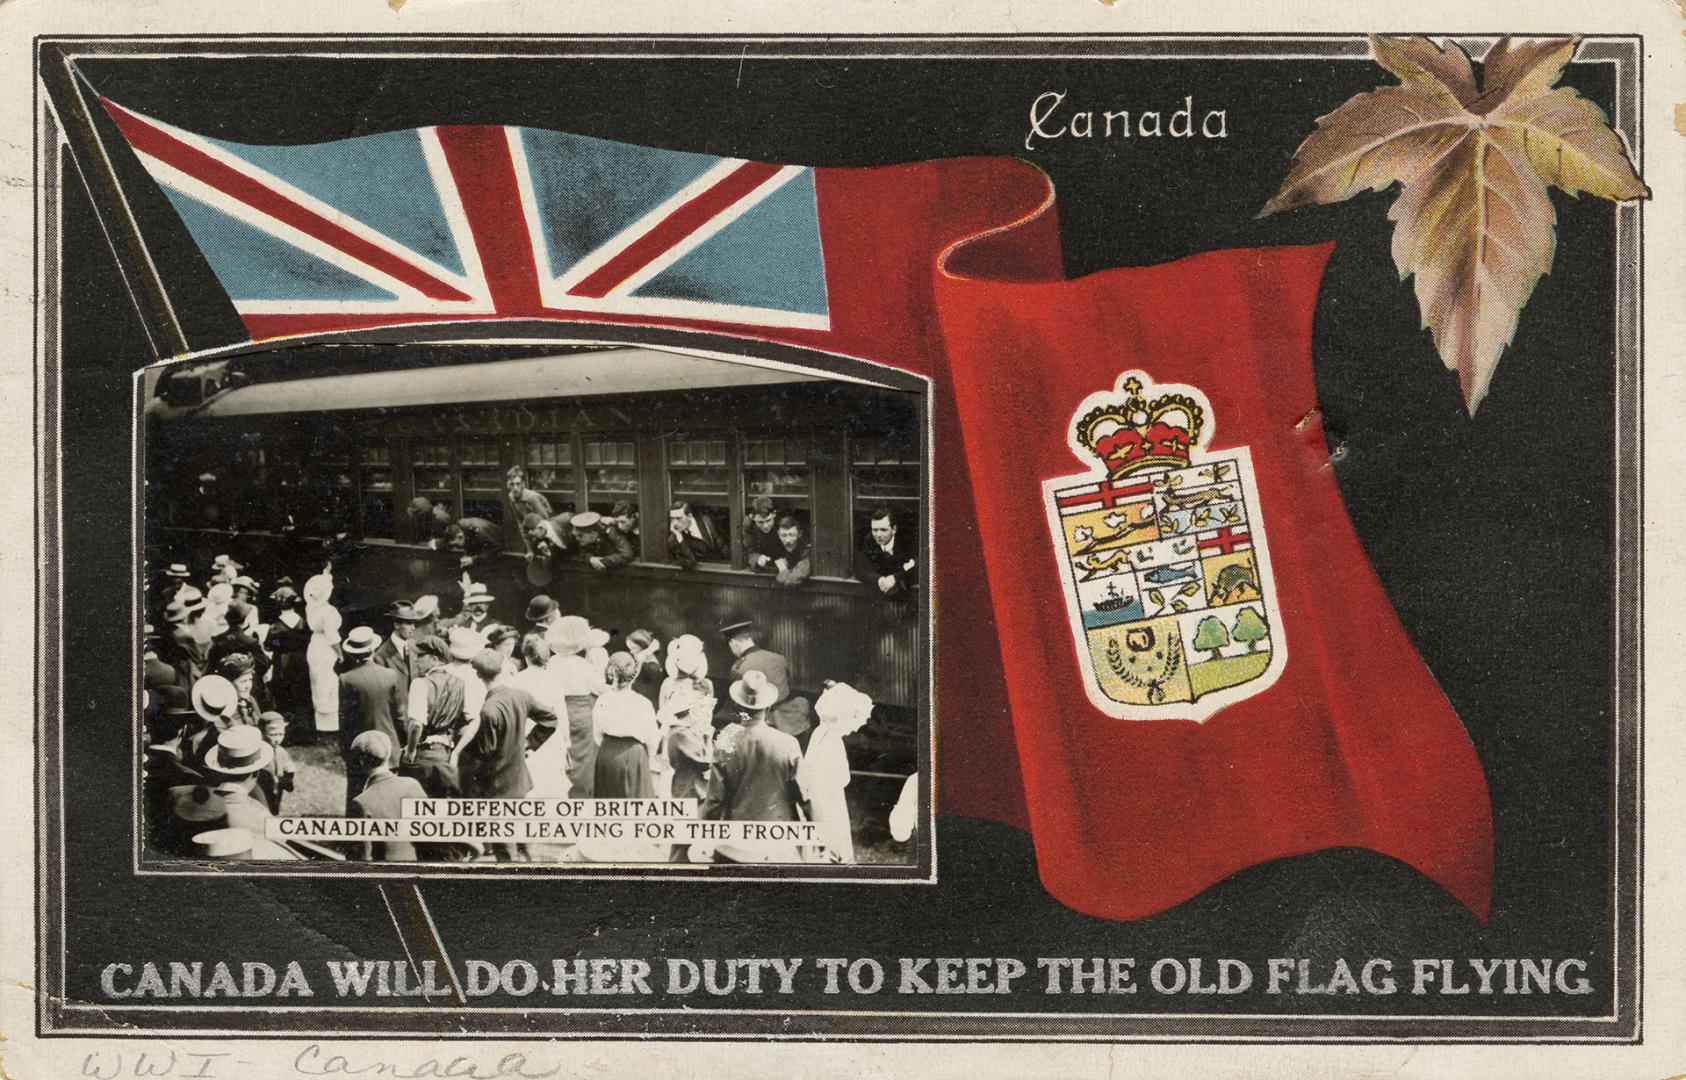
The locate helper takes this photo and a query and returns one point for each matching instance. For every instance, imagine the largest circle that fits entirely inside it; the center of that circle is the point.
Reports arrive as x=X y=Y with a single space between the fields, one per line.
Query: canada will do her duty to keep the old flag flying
x=1140 y=659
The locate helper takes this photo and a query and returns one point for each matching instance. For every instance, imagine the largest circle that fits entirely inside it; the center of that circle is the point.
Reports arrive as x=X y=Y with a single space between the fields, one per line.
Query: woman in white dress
x=548 y=764
x=842 y=710
x=570 y=639
x=323 y=653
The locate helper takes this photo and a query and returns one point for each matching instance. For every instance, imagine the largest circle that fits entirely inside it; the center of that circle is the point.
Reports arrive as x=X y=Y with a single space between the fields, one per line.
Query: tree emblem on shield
x=1162 y=552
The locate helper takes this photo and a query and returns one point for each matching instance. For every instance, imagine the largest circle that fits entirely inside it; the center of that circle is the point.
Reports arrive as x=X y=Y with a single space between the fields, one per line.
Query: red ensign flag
x=1148 y=591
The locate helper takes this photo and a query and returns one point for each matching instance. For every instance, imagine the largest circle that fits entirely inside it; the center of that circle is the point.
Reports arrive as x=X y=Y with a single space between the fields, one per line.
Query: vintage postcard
x=576 y=542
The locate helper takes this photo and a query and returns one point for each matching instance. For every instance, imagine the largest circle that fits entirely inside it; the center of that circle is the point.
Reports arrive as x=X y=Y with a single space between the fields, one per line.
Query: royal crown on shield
x=1139 y=434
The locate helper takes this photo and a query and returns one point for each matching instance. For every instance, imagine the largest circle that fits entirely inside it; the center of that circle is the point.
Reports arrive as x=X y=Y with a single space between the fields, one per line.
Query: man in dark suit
x=494 y=761
x=370 y=700
x=760 y=777
x=431 y=520
x=383 y=795
x=692 y=539
x=885 y=561
x=760 y=535
x=789 y=714
x=394 y=652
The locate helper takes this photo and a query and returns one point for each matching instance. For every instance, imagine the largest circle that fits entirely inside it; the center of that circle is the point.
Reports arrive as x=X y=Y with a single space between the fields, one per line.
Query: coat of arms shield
x=1163 y=556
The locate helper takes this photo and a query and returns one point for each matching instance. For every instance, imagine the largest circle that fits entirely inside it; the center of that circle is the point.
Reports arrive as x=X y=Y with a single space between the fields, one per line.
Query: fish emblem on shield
x=1163 y=557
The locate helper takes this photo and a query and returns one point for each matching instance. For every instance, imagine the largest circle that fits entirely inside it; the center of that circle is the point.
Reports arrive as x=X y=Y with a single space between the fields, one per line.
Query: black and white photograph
x=564 y=573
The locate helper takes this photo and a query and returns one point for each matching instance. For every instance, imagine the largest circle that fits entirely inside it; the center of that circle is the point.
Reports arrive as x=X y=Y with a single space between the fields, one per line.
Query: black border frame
x=54 y=1015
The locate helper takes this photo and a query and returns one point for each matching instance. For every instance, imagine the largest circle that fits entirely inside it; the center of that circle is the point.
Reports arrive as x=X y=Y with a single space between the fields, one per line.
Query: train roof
x=572 y=374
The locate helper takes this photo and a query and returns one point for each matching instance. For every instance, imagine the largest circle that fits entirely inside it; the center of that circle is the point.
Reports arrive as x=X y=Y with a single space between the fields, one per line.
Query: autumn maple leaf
x=1473 y=222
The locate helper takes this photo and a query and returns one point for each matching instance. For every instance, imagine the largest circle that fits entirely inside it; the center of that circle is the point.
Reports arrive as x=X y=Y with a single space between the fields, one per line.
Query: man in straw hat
x=476 y=605
x=219 y=702
x=189 y=636
x=762 y=778
x=233 y=765
x=168 y=583
x=370 y=700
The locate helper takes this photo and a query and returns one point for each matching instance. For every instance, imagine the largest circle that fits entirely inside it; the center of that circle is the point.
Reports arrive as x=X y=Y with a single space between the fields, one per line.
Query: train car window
x=255 y=509
x=379 y=520
x=884 y=473
x=698 y=473
x=482 y=480
x=430 y=469
x=779 y=469
x=550 y=472
x=611 y=473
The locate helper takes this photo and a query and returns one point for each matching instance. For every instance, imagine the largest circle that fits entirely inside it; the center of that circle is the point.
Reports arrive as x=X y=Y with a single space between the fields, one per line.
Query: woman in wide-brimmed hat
x=570 y=638
x=842 y=710
x=686 y=663
x=240 y=669
x=689 y=740
x=288 y=642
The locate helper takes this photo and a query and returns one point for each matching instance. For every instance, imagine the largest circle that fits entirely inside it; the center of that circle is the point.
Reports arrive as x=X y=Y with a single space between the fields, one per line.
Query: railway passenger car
x=282 y=471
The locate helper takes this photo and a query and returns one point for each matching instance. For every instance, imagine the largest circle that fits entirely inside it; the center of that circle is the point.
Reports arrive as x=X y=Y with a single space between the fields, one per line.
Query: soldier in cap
x=789 y=714
x=598 y=547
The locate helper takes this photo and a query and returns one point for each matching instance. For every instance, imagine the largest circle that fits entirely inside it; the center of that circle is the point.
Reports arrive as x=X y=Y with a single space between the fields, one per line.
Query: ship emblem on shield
x=1163 y=557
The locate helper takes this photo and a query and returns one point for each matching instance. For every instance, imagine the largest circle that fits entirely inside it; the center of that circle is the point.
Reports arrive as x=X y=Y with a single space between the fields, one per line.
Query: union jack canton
x=490 y=222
